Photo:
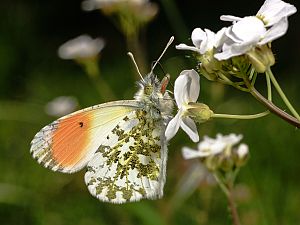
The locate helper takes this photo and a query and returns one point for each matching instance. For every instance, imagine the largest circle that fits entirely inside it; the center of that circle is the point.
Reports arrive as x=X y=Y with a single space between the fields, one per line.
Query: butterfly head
x=149 y=88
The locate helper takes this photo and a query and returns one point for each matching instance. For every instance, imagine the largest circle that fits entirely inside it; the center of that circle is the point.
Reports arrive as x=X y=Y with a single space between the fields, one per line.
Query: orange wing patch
x=70 y=138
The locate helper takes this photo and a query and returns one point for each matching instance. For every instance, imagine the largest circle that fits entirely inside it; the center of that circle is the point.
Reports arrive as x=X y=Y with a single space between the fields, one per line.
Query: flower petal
x=187 y=87
x=81 y=47
x=232 y=50
x=198 y=35
x=208 y=42
x=249 y=29
x=173 y=126
x=189 y=126
x=230 y=18
x=186 y=47
x=189 y=153
x=230 y=139
x=273 y=11
x=220 y=37
x=276 y=31
x=180 y=89
x=193 y=88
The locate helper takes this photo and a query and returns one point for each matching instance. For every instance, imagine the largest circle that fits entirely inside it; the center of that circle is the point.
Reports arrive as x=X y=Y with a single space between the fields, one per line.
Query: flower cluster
x=248 y=37
x=82 y=47
x=130 y=14
x=220 y=153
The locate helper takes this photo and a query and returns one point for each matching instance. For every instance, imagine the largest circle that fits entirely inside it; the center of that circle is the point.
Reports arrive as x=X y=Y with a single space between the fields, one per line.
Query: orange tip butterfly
x=122 y=143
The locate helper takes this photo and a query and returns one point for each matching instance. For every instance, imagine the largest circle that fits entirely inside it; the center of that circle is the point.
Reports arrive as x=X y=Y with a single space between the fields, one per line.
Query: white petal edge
x=230 y=18
x=189 y=126
x=186 y=47
x=181 y=89
x=173 y=126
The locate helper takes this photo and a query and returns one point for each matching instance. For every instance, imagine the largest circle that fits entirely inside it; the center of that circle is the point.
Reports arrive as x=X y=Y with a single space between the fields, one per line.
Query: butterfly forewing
x=70 y=142
x=130 y=163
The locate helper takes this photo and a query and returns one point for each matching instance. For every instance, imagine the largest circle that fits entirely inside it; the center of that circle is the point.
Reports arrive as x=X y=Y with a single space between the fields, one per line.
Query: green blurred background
x=31 y=75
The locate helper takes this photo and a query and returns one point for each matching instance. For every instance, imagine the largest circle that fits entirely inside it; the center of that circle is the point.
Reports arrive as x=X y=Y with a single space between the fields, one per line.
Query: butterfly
x=121 y=143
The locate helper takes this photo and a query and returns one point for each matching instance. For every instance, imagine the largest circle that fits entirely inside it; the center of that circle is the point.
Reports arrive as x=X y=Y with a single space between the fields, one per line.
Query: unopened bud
x=242 y=155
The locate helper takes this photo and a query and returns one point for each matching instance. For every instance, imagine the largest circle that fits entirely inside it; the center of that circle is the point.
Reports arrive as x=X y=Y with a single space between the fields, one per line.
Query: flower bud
x=209 y=65
x=241 y=155
x=199 y=112
x=261 y=58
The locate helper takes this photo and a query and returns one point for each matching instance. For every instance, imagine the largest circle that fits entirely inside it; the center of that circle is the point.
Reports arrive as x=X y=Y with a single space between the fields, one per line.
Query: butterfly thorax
x=153 y=99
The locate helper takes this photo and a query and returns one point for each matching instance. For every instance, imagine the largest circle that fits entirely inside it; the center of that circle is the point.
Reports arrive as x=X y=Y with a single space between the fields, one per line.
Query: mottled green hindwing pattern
x=130 y=163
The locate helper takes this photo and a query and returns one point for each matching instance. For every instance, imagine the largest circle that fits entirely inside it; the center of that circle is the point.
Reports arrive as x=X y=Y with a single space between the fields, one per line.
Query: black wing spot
x=81 y=124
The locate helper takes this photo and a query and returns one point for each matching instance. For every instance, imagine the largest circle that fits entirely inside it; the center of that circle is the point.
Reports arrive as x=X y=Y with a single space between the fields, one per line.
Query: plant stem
x=232 y=207
x=227 y=189
x=241 y=117
x=273 y=108
x=269 y=87
x=236 y=85
x=281 y=93
x=251 y=73
x=222 y=185
x=254 y=79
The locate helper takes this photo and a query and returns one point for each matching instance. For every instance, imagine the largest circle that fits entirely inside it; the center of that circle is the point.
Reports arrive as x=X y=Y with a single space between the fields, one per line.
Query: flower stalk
x=226 y=184
x=240 y=117
x=281 y=93
x=268 y=104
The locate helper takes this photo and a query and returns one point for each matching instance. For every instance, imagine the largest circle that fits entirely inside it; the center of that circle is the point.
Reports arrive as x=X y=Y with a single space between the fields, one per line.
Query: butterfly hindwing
x=68 y=143
x=130 y=163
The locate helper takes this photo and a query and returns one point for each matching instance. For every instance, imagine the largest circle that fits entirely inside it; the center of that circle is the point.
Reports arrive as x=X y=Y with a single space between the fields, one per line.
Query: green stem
x=227 y=81
x=282 y=95
x=251 y=73
x=269 y=87
x=241 y=117
x=221 y=184
x=253 y=79
x=228 y=191
x=92 y=69
x=273 y=108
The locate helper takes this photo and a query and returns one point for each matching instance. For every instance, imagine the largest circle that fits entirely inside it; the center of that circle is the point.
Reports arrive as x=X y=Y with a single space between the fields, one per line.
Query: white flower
x=272 y=11
x=61 y=106
x=186 y=90
x=210 y=146
x=269 y=24
x=204 y=41
x=81 y=47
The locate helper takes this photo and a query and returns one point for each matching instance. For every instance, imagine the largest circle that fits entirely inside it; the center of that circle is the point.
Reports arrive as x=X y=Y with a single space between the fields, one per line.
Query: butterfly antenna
x=167 y=46
x=135 y=64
